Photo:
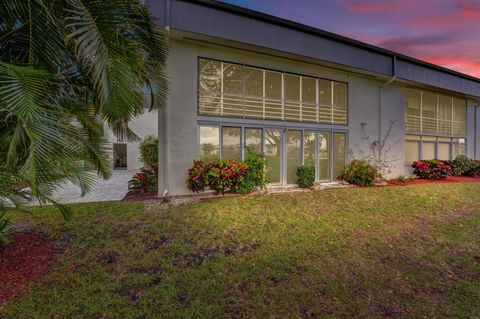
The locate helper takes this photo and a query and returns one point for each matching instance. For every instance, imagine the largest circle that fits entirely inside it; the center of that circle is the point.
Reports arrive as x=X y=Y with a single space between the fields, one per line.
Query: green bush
x=461 y=165
x=474 y=170
x=305 y=176
x=3 y=230
x=256 y=176
x=431 y=169
x=361 y=173
x=143 y=181
x=149 y=151
x=220 y=176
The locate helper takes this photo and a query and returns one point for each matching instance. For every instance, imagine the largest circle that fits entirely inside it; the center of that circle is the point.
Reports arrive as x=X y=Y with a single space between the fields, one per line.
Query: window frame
x=283 y=101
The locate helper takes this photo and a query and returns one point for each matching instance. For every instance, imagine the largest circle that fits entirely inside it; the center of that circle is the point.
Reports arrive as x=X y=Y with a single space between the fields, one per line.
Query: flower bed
x=417 y=181
x=431 y=169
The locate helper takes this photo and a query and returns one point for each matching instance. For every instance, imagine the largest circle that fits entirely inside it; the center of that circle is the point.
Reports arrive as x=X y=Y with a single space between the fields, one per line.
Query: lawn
x=367 y=252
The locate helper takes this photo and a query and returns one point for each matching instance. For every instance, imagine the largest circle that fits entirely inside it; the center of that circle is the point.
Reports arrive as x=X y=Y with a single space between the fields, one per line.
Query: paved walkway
x=112 y=189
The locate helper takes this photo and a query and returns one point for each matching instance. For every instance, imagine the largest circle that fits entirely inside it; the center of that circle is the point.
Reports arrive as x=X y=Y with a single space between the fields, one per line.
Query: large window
x=284 y=149
x=432 y=147
x=430 y=112
x=229 y=89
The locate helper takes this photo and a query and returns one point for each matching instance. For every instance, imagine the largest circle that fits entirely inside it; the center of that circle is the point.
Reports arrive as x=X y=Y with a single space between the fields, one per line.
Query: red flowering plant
x=431 y=169
x=220 y=176
x=143 y=181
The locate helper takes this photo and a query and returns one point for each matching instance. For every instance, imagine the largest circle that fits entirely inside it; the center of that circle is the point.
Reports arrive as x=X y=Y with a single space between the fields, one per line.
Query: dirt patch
x=27 y=257
x=139 y=197
x=417 y=181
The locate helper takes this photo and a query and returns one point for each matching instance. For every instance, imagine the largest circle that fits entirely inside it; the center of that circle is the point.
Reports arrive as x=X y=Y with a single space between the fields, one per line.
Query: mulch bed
x=139 y=196
x=25 y=259
x=449 y=179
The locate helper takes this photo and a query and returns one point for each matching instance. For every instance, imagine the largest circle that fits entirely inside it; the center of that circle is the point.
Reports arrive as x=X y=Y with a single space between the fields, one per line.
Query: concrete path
x=112 y=189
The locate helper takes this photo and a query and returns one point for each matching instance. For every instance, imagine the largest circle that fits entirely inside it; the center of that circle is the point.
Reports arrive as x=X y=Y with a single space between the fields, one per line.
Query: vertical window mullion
x=220 y=151
x=263 y=99
x=301 y=98
x=283 y=96
x=221 y=90
x=244 y=89
x=438 y=112
x=421 y=112
x=317 y=100
x=332 y=102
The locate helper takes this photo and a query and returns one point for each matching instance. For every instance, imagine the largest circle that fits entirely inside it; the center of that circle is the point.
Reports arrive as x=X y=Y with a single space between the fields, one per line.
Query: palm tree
x=67 y=67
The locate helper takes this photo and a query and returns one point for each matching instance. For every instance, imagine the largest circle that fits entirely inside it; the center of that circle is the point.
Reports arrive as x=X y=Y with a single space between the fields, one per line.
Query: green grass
x=366 y=252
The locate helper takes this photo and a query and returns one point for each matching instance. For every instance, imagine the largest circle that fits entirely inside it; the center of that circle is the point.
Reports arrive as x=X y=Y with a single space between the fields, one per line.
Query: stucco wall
x=143 y=125
x=376 y=129
x=376 y=111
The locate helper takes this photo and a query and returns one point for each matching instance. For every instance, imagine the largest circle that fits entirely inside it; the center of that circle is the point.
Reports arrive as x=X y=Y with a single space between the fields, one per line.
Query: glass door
x=294 y=154
x=273 y=152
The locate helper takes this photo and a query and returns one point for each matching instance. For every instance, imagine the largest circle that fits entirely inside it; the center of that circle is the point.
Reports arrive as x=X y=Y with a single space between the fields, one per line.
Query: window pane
x=273 y=85
x=273 y=149
x=292 y=87
x=294 y=155
x=210 y=75
x=309 y=90
x=412 y=152
x=232 y=78
x=459 y=148
x=443 y=151
x=339 y=152
x=412 y=137
x=309 y=148
x=459 y=117
x=428 y=150
x=339 y=94
x=253 y=139
x=412 y=110
x=429 y=112
x=209 y=142
x=254 y=82
x=324 y=156
x=273 y=94
x=210 y=87
x=292 y=97
x=445 y=114
x=231 y=143
x=326 y=92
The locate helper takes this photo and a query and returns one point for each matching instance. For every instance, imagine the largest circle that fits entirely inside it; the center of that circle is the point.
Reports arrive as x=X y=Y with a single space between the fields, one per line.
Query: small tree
x=149 y=151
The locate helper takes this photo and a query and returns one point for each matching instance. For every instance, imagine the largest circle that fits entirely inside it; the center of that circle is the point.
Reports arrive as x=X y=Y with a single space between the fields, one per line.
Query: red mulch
x=449 y=179
x=139 y=196
x=26 y=258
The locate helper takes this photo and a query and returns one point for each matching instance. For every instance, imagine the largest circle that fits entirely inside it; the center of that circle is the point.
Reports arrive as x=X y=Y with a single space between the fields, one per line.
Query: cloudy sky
x=444 y=32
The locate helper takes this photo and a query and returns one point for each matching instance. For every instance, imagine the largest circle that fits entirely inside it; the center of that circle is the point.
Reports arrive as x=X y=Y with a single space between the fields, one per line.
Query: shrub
x=361 y=173
x=255 y=177
x=220 y=176
x=401 y=178
x=197 y=176
x=305 y=176
x=143 y=181
x=149 y=151
x=460 y=165
x=474 y=170
x=431 y=169
x=3 y=230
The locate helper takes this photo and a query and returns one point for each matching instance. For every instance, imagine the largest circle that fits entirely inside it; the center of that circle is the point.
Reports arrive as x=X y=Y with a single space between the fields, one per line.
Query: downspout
x=164 y=111
x=390 y=81
x=475 y=130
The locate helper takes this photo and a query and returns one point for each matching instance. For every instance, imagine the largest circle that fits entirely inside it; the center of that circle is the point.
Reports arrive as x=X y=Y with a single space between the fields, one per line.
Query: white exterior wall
x=143 y=125
x=376 y=111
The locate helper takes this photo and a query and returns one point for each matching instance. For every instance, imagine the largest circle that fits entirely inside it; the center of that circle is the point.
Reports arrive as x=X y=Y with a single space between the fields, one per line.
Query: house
x=301 y=95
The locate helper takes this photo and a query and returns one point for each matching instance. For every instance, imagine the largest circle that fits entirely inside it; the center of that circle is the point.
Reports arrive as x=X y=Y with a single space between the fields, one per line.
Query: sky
x=443 y=32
